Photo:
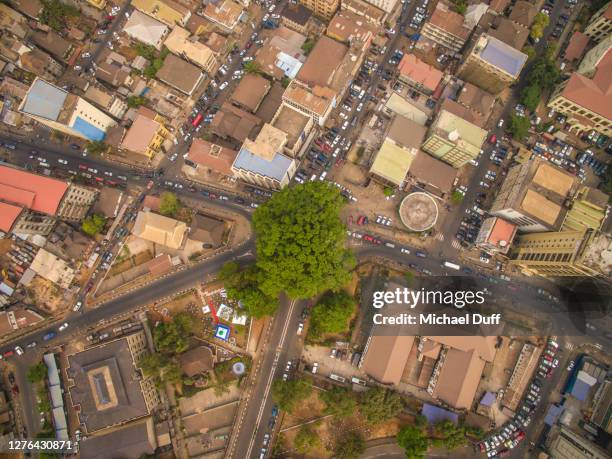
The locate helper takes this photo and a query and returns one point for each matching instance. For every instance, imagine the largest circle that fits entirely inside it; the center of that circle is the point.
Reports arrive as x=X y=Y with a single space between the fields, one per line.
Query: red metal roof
x=42 y=194
x=8 y=215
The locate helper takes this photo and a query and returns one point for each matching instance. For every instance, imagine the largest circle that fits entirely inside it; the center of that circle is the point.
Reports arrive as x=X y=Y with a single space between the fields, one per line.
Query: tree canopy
x=252 y=67
x=161 y=368
x=539 y=24
x=339 y=401
x=305 y=439
x=531 y=96
x=331 y=314
x=243 y=286
x=169 y=204
x=93 y=225
x=452 y=435
x=56 y=14
x=173 y=337
x=414 y=442
x=350 y=445
x=288 y=394
x=518 y=126
x=37 y=373
x=301 y=241
x=378 y=405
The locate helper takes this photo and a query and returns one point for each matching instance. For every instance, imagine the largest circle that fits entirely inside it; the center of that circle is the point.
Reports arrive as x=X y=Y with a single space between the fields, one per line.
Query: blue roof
x=488 y=399
x=553 y=414
x=90 y=131
x=503 y=56
x=44 y=100
x=435 y=414
x=580 y=390
x=275 y=169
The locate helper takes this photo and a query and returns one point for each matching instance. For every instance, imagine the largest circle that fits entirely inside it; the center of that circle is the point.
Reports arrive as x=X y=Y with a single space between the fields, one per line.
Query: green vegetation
x=37 y=373
x=243 y=285
x=539 y=24
x=288 y=394
x=349 y=446
x=301 y=241
x=173 y=337
x=542 y=77
x=531 y=97
x=331 y=314
x=96 y=147
x=457 y=197
x=409 y=277
x=339 y=401
x=449 y=435
x=163 y=369
x=147 y=51
x=136 y=101
x=57 y=14
x=169 y=204
x=360 y=151
x=378 y=405
x=252 y=67
x=93 y=225
x=156 y=60
x=518 y=126
x=461 y=7
x=285 y=82
x=414 y=441
x=306 y=439
x=308 y=45
x=530 y=51
x=388 y=191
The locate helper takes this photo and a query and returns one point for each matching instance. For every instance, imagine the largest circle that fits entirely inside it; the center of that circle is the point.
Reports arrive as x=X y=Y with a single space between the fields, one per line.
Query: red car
x=493 y=139
x=9 y=354
x=248 y=44
x=520 y=436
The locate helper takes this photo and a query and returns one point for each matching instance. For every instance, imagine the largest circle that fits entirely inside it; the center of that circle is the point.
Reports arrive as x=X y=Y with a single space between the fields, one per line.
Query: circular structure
x=418 y=211
x=238 y=368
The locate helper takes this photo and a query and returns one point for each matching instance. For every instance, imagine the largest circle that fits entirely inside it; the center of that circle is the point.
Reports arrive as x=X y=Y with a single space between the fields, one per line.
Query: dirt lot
x=46 y=295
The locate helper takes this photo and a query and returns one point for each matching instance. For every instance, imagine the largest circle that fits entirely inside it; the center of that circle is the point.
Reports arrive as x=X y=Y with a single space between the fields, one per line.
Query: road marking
x=270 y=378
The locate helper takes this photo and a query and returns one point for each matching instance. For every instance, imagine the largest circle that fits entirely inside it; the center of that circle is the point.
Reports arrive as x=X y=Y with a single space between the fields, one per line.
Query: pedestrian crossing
x=456 y=245
x=439 y=237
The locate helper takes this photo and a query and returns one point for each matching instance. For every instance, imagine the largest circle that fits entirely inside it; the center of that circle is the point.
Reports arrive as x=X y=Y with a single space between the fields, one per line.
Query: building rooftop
x=509 y=32
x=362 y=8
x=212 y=156
x=282 y=54
x=576 y=46
x=445 y=18
x=598 y=254
x=275 y=168
x=498 y=232
x=523 y=13
x=234 y=122
x=292 y=123
x=140 y=134
x=250 y=92
x=52 y=42
x=145 y=29
x=432 y=171
x=225 y=13
x=459 y=130
x=392 y=162
x=418 y=71
x=133 y=440
x=197 y=360
x=322 y=62
x=34 y=192
x=31 y=8
x=8 y=215
x=44 y=100
x=418 y=211
x=207 y=230
x=500 y=55
x=347 y=26
x=109 y=201
x=314 y=100
x=406 y=133
x=386 y=357
x=104 y=384
x=459 y=378
x=476 y=99
x=159 y=229
x=297 y=13
x=268 y=142
x=182 y=43
x=167 y=11
x=499 y=5
x=180 y=74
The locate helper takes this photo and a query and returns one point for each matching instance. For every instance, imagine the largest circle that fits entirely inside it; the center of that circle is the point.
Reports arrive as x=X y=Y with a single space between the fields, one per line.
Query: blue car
x=49 y=336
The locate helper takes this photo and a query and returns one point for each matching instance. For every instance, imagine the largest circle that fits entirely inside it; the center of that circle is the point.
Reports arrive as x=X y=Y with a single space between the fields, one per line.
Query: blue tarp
x=553 y=414
x=488 y=399
x=580 y=391
x=435 y=414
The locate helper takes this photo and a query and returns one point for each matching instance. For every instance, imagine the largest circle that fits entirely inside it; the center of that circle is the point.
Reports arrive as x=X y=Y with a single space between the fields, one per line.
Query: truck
x=448 y=264
x=337 y=378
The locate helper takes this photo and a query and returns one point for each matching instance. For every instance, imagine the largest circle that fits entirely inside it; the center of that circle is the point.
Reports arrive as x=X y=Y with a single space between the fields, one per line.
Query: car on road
x=420 y=254
x=300 y=328
x=19 y=350
x=315 y=367
x=31 y=345
x=62 y=161
x=77 y=306
x=63 y=326
x=49 y=336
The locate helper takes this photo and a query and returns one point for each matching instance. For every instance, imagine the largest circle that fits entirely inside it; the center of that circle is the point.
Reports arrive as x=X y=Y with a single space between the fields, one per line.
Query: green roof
x=392 y=162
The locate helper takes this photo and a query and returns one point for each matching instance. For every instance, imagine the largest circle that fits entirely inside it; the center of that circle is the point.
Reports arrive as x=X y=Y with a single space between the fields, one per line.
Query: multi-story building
x=492 y=65
x=535 y=196
x=31 y=204
x=296 y=17
x=68 y=113
x=586 y=99
x=588 y=210
x=225 y=14
x=167 y=11
x=364 y=9
x=107 y=386
x=419 y=75
x=146 y=134
x=495 y=235
x=317 y=102
x=296 y=125
x=567 y=444
x=447 y=28
x=386 y=5
x=262 y=162
x=182 y=44
x=564 y=253
x=144 y=28
x=453 y=139
x=600 y=25
x=322 y=8
x=602 y=406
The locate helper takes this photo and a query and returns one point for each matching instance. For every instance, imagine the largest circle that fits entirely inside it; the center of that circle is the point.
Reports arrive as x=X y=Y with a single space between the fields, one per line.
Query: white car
x=500 y=123
x=300 y=328
x=360 y=106
x=108 y=173
x=406 y=251
x=484 y=259
x=77 y=306
x=173 y=157
x=63 y=326
x=19 y=350
x=223 y=85
x=62 y=161
x=315 y=367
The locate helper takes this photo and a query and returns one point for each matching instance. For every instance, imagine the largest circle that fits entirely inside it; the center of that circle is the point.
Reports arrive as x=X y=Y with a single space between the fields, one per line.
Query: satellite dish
x=238 y=368
x=453 y=136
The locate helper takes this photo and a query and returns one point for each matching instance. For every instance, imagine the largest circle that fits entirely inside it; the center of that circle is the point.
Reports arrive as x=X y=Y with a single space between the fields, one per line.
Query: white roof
x=145 y=29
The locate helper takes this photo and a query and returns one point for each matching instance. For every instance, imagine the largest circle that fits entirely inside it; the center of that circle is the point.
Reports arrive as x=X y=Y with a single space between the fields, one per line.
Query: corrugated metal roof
x=553 y=414
x=435 y=414
x=44 y=100
x=488 y=399
x=276 y=168
x=580 y=391
x=503 y=56
x=88 y=130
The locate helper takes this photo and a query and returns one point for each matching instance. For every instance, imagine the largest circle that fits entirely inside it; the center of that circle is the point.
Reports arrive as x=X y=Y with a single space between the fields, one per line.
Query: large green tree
x=301 y=241
x=331 y=314
x=378 y=405
x=539 y=24
x=37 y=373
x=518 y=126
x=530 y=96
x=350 y=445
x=414 y=442
x=339 y=401
x=169 y=204
x=173 y=337
x=288 y=394
x=306 y=439
x=57 y=14
x=453 y=435
x=243 y=285
x=93 y=225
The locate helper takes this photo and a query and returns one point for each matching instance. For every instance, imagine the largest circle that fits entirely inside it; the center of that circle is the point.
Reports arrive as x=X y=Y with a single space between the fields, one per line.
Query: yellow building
x=166 y=11
x=100 y=4
x=146 y=134
x=564 y=253
x=600 y=25
x=322 y=8
x=182 y=44
x=492 y=65
x=588 y=210
x=453 y=139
